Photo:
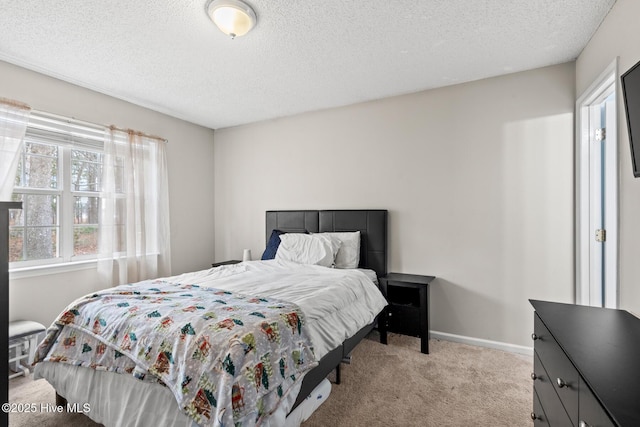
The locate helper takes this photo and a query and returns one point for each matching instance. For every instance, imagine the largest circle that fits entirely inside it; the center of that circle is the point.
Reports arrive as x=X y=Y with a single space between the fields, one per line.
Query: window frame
x=67 y=135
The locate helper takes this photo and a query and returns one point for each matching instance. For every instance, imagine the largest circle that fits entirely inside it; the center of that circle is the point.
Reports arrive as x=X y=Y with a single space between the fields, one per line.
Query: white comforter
x=337 y=303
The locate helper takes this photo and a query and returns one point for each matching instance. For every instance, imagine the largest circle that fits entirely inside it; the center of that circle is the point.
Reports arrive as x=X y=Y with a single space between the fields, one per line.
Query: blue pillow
x=272 y=245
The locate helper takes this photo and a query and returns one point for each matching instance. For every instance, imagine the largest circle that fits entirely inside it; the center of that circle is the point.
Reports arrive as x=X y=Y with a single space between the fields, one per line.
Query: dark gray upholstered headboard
x=372 y=225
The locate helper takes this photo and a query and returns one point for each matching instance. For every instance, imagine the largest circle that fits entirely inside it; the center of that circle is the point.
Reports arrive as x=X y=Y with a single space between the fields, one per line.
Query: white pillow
x=348 y=255
x=302 y=248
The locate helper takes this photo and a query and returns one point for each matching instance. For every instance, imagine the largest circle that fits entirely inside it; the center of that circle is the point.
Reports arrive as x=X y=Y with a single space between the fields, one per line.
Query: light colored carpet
x=393 y=385
x=454 y=385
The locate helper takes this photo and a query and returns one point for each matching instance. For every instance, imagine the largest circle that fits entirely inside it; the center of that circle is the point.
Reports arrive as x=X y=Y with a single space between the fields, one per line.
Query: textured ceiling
x=302 y=56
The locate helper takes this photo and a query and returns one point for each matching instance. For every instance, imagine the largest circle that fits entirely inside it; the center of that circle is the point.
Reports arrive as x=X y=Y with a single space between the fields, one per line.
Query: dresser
x=586 y=367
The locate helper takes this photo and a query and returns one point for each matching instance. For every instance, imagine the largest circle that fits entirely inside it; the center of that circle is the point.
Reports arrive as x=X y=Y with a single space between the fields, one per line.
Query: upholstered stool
x=23 y=339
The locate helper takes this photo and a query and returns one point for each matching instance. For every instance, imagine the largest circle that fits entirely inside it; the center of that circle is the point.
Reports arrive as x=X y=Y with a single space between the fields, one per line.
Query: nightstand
x=231 y=261
x=408 y=309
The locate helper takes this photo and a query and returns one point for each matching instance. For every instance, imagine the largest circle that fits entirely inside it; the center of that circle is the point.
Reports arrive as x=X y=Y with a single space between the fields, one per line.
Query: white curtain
x=14 y=117
x=134 y=216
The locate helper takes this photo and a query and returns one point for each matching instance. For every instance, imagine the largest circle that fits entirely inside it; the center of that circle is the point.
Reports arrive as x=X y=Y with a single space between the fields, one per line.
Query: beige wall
x=478 y=180
x=190 y=157
x=619 y=36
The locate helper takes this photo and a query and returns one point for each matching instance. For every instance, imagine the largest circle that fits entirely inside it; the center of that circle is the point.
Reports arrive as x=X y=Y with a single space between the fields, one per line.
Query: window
x=58 y=182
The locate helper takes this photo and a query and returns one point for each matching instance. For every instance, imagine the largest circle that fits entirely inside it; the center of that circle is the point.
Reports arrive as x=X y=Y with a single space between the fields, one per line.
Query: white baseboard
x=512 y=348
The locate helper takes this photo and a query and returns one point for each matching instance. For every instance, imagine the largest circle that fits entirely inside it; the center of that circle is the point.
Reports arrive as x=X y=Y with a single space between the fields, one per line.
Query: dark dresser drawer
x=591 y=413
x=562 y=374
x=538 y=416
x=596 y=351
x=548 y=398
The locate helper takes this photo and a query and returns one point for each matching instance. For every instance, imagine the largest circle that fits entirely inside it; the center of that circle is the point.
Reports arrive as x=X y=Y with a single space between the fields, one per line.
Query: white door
x=597 y=194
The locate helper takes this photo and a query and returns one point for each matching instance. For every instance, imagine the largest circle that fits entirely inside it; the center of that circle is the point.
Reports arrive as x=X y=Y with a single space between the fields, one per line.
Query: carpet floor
x=392 y=385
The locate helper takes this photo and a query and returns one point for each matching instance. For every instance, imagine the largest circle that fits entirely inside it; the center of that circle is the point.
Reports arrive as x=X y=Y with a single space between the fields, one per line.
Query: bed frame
x=372 y=225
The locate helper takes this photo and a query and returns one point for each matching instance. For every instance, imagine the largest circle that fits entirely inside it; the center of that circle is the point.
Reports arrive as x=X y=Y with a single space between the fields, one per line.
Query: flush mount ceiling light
x=233 y=17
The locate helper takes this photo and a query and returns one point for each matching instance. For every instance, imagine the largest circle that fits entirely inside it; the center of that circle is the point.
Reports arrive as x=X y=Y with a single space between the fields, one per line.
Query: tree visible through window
x=34 y=230
x=86 y=170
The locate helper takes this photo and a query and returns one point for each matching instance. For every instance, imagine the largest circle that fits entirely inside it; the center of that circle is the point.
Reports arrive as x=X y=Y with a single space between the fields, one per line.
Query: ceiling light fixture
x=234 y=17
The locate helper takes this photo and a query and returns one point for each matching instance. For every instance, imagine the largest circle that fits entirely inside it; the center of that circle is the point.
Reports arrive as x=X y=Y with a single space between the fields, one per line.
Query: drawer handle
x=534 y=337
x=534 y=376
x=534 y=416
x=561 y=383
x=584 y=424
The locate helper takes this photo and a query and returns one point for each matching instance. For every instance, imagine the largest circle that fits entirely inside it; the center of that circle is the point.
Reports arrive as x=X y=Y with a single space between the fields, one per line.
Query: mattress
x=336 y=304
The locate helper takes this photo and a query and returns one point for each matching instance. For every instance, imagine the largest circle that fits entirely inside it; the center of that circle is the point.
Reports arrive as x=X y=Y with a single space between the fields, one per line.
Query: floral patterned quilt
x=227 y=358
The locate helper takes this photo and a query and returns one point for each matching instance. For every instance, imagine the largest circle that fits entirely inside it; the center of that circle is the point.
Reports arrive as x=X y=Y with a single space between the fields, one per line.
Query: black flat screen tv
x=631 y=93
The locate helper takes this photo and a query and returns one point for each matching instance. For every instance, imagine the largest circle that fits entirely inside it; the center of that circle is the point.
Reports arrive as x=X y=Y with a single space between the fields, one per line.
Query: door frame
x=583 y=234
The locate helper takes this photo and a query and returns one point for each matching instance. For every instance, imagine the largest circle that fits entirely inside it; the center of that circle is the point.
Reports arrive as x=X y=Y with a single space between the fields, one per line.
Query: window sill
x=44 y=270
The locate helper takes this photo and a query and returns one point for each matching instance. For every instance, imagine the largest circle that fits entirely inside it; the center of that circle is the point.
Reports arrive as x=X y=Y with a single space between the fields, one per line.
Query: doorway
x=597 y=193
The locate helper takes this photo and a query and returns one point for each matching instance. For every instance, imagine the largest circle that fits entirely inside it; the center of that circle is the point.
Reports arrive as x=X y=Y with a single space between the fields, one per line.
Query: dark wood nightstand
x=231 y=261
x=408 y=309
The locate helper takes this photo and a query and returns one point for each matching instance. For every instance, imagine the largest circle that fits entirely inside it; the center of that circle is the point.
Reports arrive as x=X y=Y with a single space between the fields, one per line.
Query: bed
x=310 y=339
